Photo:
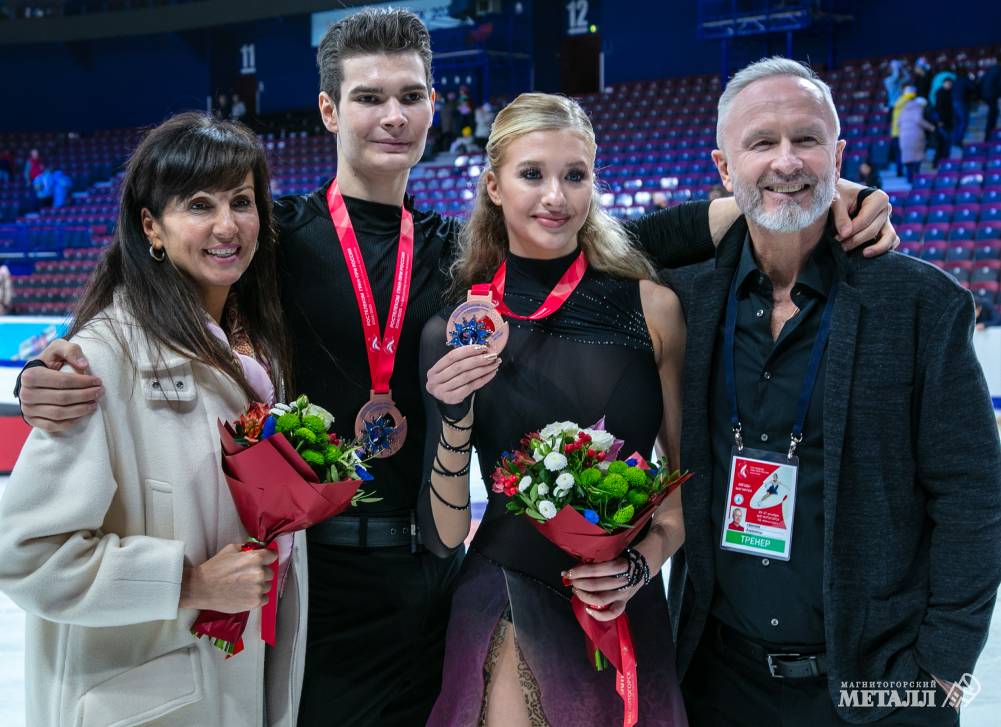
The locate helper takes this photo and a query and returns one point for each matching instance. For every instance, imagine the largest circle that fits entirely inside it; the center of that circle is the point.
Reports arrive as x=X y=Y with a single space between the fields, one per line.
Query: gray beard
x=790 y=216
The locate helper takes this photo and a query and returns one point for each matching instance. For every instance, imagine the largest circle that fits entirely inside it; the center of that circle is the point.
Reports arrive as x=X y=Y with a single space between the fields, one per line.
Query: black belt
x=360 y=531
x=780 y=665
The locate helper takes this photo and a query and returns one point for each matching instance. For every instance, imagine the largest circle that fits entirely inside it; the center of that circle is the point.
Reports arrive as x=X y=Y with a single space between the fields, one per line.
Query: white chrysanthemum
x=319 y=411
x=601 y=441
x=564 y=481
x=543 y=488
x=554 y=461
x=556 y=428
x=525 y=483
x=547 y=509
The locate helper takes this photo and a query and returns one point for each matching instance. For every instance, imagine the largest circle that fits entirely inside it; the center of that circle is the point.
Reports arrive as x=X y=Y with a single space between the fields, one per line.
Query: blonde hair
x=483 y=242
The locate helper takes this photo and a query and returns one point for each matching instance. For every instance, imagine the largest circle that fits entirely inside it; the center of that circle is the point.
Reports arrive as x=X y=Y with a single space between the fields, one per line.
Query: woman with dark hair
x=119 y=530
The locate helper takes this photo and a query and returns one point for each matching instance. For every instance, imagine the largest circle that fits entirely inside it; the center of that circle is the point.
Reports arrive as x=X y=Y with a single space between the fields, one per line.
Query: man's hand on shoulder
x=54 y=400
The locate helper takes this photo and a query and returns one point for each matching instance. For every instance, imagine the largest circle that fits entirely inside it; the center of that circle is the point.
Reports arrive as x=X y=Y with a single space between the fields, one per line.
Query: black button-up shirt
x=766 y=599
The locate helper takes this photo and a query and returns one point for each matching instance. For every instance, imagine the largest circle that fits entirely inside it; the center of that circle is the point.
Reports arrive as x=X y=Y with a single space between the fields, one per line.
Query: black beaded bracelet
x=454 y=424
x=446 y=503
x=439 y=468
x=462 y=449
x=639 y=570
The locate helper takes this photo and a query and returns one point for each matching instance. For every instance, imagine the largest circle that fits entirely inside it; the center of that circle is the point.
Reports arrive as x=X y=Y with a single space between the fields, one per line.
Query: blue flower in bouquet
x=591 y=516
x=268 y=428
x=363 y=473
x=378 y=434
x=468 y=332
x=631 y=462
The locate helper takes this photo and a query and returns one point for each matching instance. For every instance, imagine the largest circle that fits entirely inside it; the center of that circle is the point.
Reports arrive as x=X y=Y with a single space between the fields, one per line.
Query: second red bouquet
x=286 y=471
x=573 y=488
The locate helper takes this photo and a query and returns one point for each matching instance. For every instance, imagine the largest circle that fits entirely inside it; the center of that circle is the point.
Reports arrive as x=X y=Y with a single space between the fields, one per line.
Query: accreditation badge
x=760 y=503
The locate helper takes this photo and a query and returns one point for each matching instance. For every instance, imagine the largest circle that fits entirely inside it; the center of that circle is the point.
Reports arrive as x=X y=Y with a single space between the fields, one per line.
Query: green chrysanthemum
x=287 y=422
x=614 y=485
x=304 y=435
x=617 y=467
x=589 y=477
x=314 y=424
x=624 y=514
x=332 y=454
x=312 y=458
x=635 y=476
x=638 y=498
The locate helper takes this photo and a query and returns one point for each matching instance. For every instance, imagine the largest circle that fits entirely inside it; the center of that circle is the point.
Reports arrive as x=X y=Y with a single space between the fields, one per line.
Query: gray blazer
x=912 y=473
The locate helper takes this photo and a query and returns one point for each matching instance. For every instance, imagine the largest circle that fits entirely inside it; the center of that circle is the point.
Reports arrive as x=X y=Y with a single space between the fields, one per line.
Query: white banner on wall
x=433 y=13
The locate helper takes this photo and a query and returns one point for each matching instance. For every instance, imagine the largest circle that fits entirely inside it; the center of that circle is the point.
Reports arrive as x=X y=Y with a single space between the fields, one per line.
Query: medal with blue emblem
x=379 y=426
x=477 y=322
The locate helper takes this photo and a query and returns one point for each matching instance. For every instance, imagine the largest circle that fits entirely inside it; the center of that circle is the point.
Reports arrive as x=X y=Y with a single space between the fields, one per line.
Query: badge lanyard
x=809 y=381
x=380 y=349
x=759 y=482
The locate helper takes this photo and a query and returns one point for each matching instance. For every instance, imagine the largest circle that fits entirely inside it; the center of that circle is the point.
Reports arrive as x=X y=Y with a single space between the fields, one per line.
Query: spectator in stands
x=909 y=93
x=964 y=92
x=869 y=175
x=944 y=116
x=987 y=314
x=895 y=82
x=465 y=144
x=465 y=109
x=239 y=109
x=921 y=76
x=6 y=290
x=6 y=165
x=990 y=91
x=449 y=120
x=33 y=166
x=221 y=109
x=913 y=142
x=718 y=191
x=44 y=186
x=61 y=186
x=181 y=321
x=484 y=118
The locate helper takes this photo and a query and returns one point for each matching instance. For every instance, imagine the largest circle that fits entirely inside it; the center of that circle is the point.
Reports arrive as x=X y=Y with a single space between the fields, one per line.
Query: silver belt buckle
x=772 y=666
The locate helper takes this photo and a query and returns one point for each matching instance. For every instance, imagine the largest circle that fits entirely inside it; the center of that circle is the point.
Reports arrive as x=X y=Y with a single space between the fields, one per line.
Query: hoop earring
x=152 y=254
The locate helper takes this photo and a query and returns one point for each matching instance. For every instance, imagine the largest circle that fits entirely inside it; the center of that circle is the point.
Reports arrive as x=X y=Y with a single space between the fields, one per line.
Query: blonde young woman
x=515 y=654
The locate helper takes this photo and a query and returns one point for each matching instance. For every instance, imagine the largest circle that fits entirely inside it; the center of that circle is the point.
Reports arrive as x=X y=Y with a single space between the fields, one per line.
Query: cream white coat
x=96 y=525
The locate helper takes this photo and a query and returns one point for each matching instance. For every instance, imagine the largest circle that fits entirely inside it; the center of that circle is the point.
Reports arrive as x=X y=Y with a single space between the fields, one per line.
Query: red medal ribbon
x=381 y=350
x=556 y=298
x=614 y=639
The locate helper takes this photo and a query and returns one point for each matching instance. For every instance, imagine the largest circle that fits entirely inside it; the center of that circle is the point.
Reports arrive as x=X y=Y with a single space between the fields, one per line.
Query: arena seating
x=654 y=136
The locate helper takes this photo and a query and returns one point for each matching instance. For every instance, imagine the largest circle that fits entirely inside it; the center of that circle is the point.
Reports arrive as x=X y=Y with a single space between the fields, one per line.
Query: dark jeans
x=376 y=636
x=992 y=117
x=912 y=169
x=726 y=689
x=895 y=155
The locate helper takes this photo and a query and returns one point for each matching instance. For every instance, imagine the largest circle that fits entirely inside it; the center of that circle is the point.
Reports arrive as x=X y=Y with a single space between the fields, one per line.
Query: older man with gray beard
x=836 y=400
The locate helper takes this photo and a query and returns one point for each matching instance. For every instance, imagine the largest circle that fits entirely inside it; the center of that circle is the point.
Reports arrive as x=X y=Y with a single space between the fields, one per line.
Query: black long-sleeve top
x=328 y=349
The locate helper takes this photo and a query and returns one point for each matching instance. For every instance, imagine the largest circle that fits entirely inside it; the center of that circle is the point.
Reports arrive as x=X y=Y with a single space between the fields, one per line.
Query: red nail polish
x=566 y=581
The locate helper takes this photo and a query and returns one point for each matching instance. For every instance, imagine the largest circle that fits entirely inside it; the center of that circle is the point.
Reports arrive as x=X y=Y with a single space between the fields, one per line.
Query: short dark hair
x=374 y=30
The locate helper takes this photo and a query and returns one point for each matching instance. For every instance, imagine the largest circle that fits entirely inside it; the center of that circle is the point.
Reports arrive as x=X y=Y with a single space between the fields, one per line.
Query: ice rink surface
x=977 y=714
